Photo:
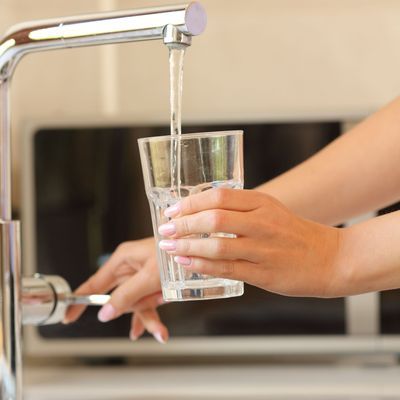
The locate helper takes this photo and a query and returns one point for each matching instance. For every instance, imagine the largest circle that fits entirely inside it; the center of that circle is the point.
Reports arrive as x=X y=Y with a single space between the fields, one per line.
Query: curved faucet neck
x=113 y=27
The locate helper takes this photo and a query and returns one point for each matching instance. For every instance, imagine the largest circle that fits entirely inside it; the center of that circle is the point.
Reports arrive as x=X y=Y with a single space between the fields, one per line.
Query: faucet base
x=10 y=319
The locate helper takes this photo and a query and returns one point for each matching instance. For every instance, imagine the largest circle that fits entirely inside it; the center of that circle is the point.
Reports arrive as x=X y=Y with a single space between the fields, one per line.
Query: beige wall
x=258 y=60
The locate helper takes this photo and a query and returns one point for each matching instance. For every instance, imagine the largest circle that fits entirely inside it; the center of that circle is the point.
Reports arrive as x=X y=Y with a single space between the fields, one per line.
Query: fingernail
x=106 y=313
x=159 y=338
x=160 y=300
x=167 y=245
x=182 y=260
x=66 y=321
x=167 y=229
x=133 y=337
x=173 y=210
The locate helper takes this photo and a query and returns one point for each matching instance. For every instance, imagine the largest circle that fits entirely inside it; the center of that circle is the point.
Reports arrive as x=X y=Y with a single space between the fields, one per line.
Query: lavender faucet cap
x=196 y=18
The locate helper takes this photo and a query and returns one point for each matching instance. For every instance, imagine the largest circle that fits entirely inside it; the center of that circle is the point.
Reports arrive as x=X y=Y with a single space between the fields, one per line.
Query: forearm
x=370 y=254
x=356 y=173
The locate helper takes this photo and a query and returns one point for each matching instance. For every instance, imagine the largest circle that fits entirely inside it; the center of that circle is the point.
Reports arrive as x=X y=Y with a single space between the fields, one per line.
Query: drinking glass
x=207 y=161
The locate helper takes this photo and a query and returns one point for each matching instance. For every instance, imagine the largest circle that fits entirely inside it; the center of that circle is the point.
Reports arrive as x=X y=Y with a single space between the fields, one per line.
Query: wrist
x=342 y=279
x=344 y=265
x=368 y=256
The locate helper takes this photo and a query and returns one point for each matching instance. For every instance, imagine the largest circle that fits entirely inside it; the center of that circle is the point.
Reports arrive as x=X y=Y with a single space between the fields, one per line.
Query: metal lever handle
x=90 y=300
x=46 y=298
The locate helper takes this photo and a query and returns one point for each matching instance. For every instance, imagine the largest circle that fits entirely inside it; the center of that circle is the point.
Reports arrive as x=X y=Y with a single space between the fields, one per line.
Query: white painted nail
x=159 y=338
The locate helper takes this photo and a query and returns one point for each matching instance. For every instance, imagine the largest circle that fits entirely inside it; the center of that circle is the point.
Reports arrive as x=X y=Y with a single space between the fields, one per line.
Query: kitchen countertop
x=213 y=383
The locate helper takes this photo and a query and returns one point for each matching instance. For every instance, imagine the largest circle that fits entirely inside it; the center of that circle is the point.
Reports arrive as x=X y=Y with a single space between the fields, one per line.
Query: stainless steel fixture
x=44 y=299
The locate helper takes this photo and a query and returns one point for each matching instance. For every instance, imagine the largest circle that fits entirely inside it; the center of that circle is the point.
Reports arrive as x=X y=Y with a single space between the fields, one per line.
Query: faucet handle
x=46 y=298
x=89 y=300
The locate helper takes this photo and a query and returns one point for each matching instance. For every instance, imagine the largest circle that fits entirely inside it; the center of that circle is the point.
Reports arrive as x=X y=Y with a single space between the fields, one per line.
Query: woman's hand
x=133 y=274
x=274 y=249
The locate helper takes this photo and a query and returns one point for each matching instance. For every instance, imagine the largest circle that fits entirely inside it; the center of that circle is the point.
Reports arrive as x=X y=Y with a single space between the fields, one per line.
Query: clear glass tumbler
x=207 y=161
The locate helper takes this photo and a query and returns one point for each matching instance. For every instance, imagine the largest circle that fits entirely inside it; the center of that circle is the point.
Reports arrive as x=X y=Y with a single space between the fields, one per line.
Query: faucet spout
x=89 y=30
x=175 y=25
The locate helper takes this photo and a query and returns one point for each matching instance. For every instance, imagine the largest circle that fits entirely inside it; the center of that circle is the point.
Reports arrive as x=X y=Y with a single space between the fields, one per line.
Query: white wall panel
x=277 y=59
x=260 y=59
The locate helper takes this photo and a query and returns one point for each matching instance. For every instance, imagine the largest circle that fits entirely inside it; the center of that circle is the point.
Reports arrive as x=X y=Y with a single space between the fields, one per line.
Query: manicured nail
x=182 y=260
x=66 y=321
x=160 y=300
x=173 y=210
x=167 y=245
x=132 y=336
x=106 y=313
x=167 y=229
x=159 y=338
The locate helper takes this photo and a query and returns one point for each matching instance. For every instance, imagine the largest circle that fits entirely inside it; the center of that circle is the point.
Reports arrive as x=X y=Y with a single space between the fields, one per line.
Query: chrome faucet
x=41 y=299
